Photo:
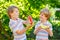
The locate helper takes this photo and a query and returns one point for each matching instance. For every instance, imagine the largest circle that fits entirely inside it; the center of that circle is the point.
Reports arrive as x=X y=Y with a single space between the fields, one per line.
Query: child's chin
x=41 y=19
x=16 y=18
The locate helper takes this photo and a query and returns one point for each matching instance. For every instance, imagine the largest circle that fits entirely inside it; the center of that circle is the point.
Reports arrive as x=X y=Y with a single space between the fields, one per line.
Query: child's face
x=43 y=17
x=15 y=13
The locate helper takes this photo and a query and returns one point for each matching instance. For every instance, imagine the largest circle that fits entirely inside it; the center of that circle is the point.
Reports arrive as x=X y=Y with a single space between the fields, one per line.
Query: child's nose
x=40 y=15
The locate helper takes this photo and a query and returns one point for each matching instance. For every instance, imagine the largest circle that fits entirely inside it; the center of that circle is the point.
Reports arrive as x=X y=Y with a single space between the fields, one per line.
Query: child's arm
x=49 y=32
x=37 y=29
x=28 y=24
x=22 y=31
x=48 y=28
x=25 y=22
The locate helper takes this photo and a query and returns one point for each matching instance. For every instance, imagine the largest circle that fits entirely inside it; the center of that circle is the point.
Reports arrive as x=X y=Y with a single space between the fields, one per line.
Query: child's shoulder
x=12 y=21
x=21 y=20
x=48 y=23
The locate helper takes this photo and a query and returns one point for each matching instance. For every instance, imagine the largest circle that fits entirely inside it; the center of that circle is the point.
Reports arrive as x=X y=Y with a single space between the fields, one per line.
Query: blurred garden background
x=26 y=8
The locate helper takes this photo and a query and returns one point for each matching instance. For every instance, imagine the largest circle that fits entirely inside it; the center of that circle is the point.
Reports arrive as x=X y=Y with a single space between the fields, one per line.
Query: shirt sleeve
x=11 y=25
x=37 y=25
x=22 y=20
x=50 y=27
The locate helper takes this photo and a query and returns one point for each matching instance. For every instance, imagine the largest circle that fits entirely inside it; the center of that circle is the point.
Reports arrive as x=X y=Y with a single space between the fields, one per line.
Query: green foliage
x=57 y=14
x=27 y=7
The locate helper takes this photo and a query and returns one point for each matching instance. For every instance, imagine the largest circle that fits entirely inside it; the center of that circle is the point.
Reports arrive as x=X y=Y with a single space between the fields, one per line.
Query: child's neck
x=43 y=21
x=14 y=18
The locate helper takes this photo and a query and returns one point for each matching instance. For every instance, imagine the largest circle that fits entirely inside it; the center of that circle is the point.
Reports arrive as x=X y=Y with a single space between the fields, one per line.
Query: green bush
x=27 y=7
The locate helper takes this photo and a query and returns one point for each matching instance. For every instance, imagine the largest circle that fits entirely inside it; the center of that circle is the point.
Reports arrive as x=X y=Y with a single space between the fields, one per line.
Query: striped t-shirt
x=17 y=25
x=42 y=34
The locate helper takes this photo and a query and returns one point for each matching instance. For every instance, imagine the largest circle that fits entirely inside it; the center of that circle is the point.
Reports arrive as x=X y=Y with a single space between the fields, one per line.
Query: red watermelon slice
x=30 y=19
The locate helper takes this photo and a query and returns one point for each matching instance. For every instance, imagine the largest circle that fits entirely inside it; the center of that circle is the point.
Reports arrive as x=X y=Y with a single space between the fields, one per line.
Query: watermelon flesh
x=30 y=19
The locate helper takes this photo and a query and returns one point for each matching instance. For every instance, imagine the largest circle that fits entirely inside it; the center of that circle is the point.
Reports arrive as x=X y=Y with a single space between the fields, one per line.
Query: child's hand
x=43 y=26
x=37 y=30
x=49 y=32
x=28 y=27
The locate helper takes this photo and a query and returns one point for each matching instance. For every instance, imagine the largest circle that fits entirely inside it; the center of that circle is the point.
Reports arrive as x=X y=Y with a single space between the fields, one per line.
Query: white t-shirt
x=42 y=34
x=17 y=25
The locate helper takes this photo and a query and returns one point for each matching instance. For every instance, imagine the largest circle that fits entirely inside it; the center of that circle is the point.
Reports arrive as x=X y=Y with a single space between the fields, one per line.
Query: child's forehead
x=42 y=13
x=15 y=8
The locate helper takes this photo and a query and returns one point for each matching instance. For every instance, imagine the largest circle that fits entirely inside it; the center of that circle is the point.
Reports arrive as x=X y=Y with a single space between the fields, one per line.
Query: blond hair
x=10 y=10
x=46 y=12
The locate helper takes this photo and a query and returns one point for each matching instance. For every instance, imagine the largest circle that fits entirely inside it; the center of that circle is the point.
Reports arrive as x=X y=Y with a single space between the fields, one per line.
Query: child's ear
x=11 y=14
x=46 y=18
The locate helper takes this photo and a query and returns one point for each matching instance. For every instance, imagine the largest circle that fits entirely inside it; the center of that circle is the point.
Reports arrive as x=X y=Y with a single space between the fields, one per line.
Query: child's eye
x=16 y=11
x=42 y=15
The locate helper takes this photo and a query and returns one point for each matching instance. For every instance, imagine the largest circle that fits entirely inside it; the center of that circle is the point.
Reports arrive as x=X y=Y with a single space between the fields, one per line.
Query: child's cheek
x=40 y=17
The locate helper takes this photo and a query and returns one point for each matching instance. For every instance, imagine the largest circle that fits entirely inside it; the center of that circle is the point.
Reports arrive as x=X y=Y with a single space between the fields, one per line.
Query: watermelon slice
x=30 y=19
